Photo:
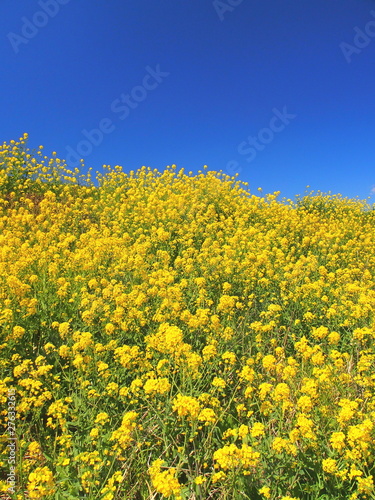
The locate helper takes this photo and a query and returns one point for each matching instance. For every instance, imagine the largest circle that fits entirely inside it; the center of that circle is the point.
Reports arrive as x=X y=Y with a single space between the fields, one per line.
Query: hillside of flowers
x=170 y=335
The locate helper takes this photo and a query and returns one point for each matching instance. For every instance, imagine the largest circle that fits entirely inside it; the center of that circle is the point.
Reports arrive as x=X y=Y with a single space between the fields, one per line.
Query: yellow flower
x=94 y=433
x=208 y=352
x=18 y=332
x=207 y=415
x=112 y=388
x=279 y=444
x=334 y=338
x=165 y=482
x=219 y=382
x=226 y=303
x=101 y=418
x=305 y=404
x=243 y=431
x=218 y=476
x=109 y=328
x=269 y=362
x=329 y=465
x=34 y=451
x=124 y=434
x=186 y=406
x=337 y=441
x=305 y=426
x=264 y=389
x=64 y=351
x=354 y=472
x=229 y=357
x=230 y=457
x=157 y=386
x=102 y=366
x=40 y=483
x=365 y=485
x=348 y=410
x=320 y=333
x=257 y=430
x=265 y=491
x=200 y=480
x=64 y=329
x=281 y=392
x=49 y=347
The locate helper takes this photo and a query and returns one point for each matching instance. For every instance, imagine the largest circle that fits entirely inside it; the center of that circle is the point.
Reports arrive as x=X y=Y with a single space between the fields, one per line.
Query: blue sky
x=281 y=92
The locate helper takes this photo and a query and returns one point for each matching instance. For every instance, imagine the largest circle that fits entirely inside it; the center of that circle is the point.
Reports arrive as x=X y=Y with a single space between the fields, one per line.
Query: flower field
x=169 y=335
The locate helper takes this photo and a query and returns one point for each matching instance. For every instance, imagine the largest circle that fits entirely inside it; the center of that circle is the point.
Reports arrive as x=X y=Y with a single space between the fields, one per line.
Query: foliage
x=170 y=335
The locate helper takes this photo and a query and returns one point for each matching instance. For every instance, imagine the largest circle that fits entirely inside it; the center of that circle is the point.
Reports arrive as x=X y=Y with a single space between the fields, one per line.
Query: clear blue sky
x=263 y=88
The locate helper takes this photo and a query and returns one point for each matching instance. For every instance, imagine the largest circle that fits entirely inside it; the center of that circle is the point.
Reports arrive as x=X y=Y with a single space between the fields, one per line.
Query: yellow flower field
x=169 y=335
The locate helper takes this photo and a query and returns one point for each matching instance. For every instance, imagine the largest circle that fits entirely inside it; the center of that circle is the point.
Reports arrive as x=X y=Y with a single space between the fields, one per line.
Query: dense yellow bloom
x=219 y=382
x=348 y=410
x=18 y=332
x=365 y=485
x=329 y=465
x=214 y=318
x=207 y=415
x=269 y=362
x=281 y=392
x=41 y=483
x=34 y=451
x=64 y=329
x=102 y=366
x=310 y=388
x=279 y=444
x=229 y=357
x=124 y=434
x=94 y=433
x=186 y=406
x=320 y=333
x=157 y=386
x=243 y=431
x=305 y=404
x=64 y=351
x=109 y=490
x=208 y=352
x=305 y=426
x=334 y=338
x=168 y=339
x=337 y=440
x=226 y=303
x=165 y=482
x=230 y=457
x=218 y=476
x=247 y=373
x=257 y=430
x=102 y=418
x=200 y=480
x=264 y=389
x=265 y=491
x=109 y=328
x=127 y=355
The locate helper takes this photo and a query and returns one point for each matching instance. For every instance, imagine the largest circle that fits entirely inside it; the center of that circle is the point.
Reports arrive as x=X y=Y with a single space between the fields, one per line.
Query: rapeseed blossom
x=41 y=483
x=165 y=481
x=174 y=334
